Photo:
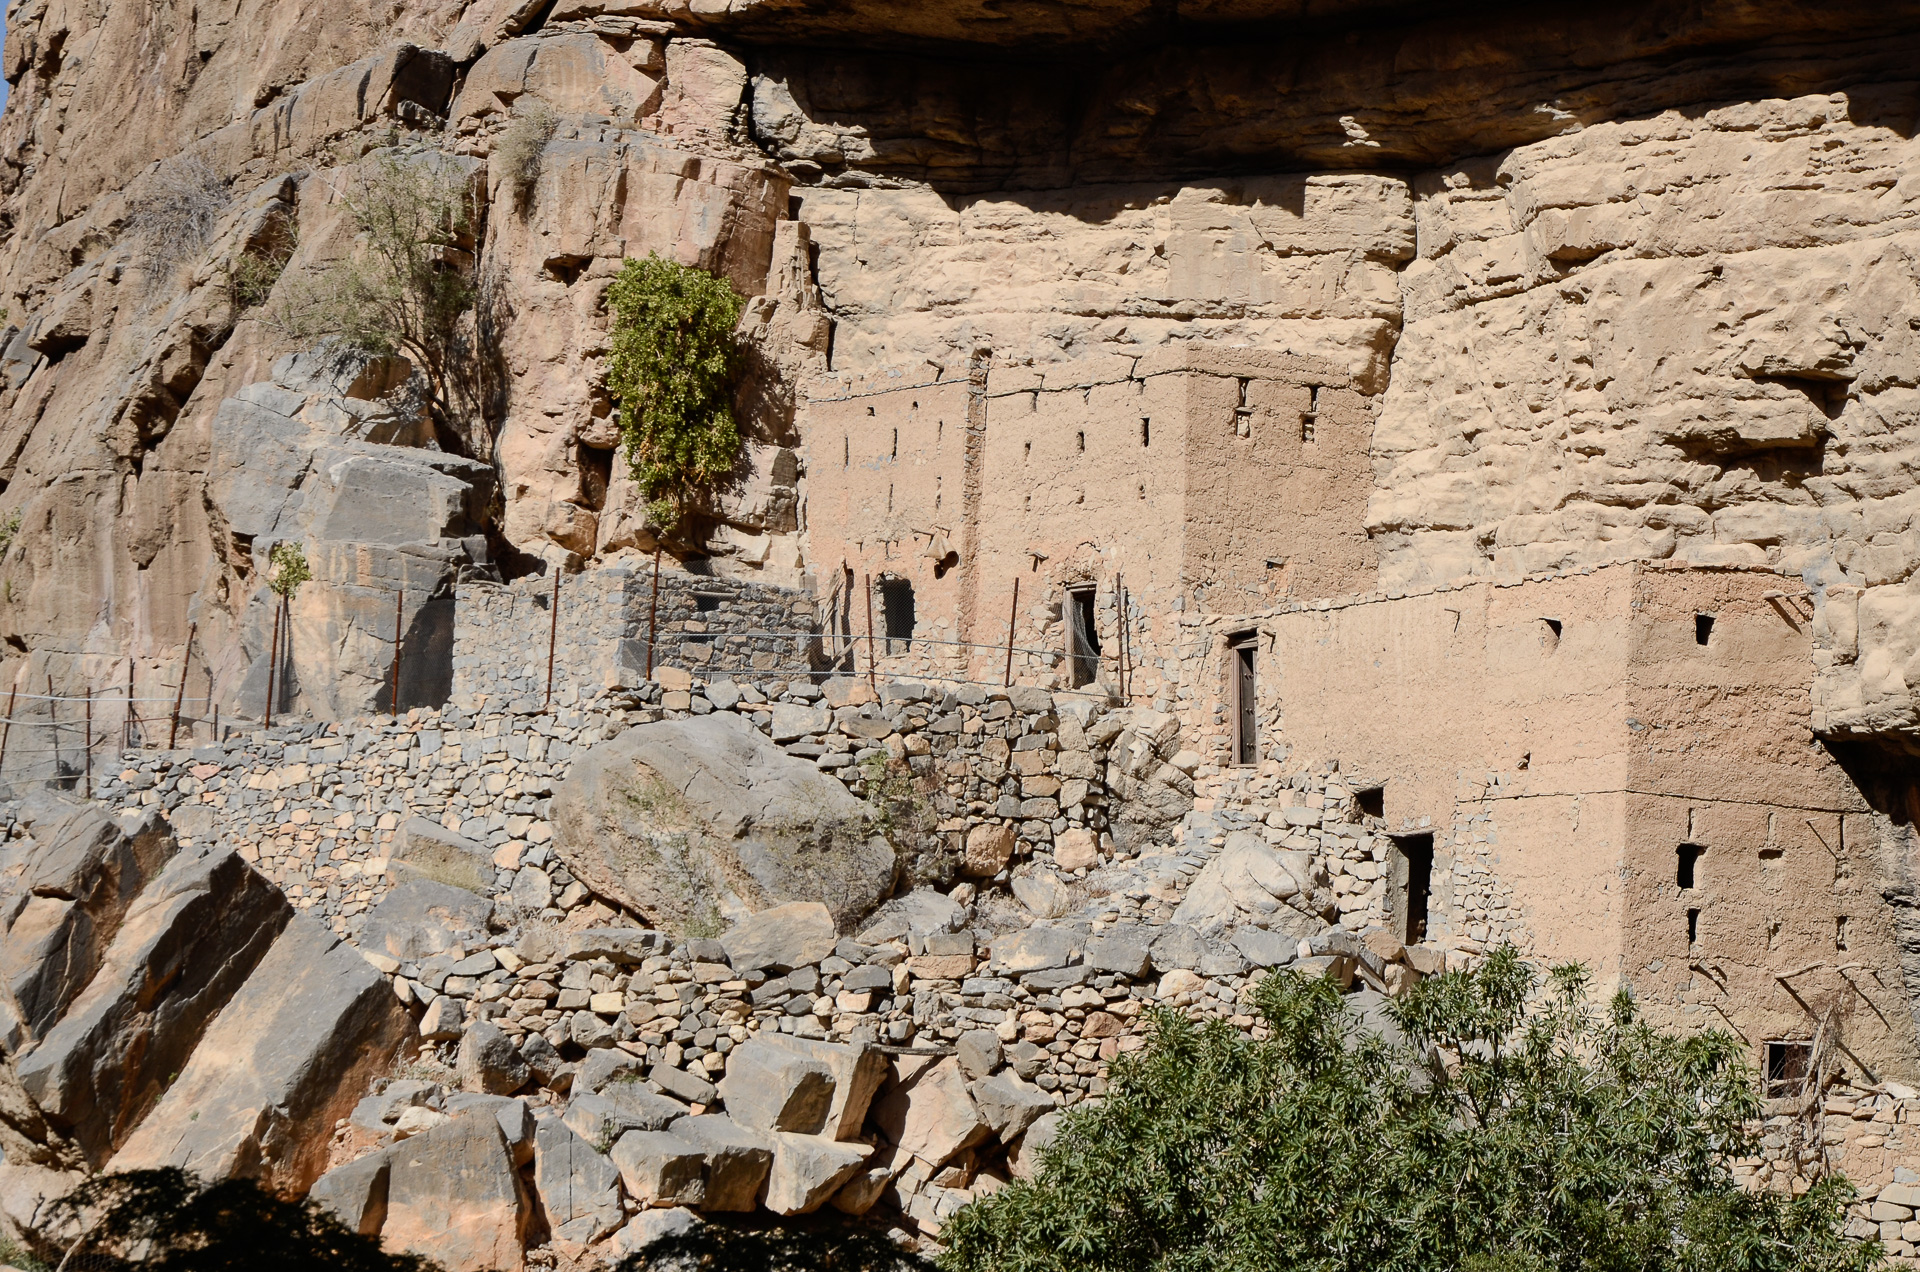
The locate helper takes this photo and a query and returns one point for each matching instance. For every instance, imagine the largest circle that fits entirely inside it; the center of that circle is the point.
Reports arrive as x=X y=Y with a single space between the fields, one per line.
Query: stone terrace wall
x=501 y=633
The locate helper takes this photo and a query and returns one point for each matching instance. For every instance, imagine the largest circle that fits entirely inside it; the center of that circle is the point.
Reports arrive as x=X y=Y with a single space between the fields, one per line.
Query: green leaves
x=1518 y=1128
x=672 y=371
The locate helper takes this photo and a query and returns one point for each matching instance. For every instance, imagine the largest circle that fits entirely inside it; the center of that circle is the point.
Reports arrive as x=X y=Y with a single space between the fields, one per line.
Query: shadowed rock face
x=691 y=821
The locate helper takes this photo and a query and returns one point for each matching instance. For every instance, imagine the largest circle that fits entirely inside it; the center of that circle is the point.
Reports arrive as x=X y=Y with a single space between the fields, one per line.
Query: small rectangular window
x=1371 y=802
x=1693 y=928
x=1840 y=934
x=1080 y=440
x=1789 y=1064
x=1146 y=431
x=1550 y=634
x=1702 y=628
x=1688 y=860
x=1410 y=885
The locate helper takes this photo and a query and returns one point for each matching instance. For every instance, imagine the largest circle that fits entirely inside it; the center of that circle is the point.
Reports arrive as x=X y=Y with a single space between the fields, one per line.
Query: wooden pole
x=126 y=726
x=1013 y=615
x=872 y=679
x=553 y=632
x=12 y=696
x=273 y=662
x=53 y=721
x=399 y=602
x=89 y=741
x=179 y=694
x=653 y=613
x=1120 y=607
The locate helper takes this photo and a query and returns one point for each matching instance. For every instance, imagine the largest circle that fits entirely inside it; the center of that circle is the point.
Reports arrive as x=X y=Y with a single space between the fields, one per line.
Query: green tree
x=403 y=290
x=674 y=361
x=1508 y=1131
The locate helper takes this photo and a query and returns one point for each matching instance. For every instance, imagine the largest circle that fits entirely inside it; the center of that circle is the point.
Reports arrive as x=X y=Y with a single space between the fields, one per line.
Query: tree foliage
x=287 y=568
x=403 y=290
x=169 y=1221
x=672 y=371
x=1509 y=1131
x=719 y=1247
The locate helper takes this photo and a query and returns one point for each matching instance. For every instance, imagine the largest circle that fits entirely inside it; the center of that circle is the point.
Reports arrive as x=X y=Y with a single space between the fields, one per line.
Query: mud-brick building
x=1617 y=766
x=1201 y=480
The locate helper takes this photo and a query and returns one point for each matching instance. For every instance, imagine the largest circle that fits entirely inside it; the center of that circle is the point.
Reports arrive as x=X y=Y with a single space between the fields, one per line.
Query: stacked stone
x=503 y=631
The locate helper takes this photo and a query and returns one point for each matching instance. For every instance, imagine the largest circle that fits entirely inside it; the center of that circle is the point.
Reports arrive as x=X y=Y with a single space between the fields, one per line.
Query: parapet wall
x=502 y=633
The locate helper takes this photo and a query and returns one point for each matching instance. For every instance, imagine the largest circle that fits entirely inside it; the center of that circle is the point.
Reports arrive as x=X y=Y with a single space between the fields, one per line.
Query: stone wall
x=501 y=633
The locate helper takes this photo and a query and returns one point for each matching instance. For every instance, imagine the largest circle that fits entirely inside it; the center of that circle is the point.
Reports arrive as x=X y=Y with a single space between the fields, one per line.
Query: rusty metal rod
x=1013 y=615
x=653 y=613
x=553 y=632
x=126 y=726
x=179 y=694
x=273 y=664
x=399 y=604
x=8 y=730
x=872 y=680
x=89 y=739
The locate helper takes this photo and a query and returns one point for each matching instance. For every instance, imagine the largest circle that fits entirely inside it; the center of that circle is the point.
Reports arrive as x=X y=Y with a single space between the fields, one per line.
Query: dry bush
x=516 y=155
x=171 y=220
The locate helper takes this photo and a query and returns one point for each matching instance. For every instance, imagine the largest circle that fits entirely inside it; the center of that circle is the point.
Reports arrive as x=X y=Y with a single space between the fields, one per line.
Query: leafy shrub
x=1505 y=1134
x=672 y=371
x=287 y=568
x=172 y=218
x=516 y=155
x=251 y=277
x=404 y=292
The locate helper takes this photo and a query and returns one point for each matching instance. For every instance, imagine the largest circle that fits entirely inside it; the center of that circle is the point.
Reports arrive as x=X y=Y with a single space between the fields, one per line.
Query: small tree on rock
x=675 y=358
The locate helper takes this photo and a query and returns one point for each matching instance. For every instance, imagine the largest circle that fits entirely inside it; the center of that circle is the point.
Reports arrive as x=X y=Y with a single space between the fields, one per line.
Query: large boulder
x=780 y=939
x=933 y=1116
x=808 y=1169
x=79 y=873
x=454 y=1197
x=688 y=820
x=578 y=1186
x=421 y=917
x=1250 y=882
x=187 y=944
x=427 y=850
x=312 y=1026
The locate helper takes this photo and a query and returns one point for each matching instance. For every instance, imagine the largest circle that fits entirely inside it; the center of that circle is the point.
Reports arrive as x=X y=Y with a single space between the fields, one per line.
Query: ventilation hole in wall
x=1146 y=431
x=1080 y=441
x=1702 y=628
x=1243 y=413
x=1687 y=859
x=1840 y=934
x=916 y=406
x=939 y=431
x=936 y=493
x=1773 y=933
x=889 y=497
x=1143 y=492
x=1028 y=505
x=1550 y=634
x=1033 y=401
x=1371 y=802
x=1307 y=420
x=1027 y=453
x=869 y=410
x=846 y=452
x=895 y=452
x=1693 y=928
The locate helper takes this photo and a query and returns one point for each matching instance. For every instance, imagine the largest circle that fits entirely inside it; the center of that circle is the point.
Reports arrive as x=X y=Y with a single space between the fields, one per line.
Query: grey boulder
x=420 y=918
x=682 y=819
x=578 y=1186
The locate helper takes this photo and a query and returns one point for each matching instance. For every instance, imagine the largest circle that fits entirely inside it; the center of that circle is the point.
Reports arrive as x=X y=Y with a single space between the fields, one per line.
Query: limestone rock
x=661 y=1169
x=781 y=938
x=1248 y=881
x=285 y=1058
x=355 y=1192
x=808 y=1169
x=453 y=1196
x=933 y=1116
x=768 y=1088
x=1009 y=1105
x=989 y=848
x=420 y=918
x=428 y=850
x=854 y=1072
x=579 y=1188
x=187 y=944
x=737 y=1160
x=488 y=1061
x=670 y=818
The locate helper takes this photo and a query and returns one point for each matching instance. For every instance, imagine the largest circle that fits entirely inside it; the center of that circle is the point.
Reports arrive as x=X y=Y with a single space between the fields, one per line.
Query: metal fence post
x=553 y=633
x=399 y=600
x=1013 y=613
x=179 y=694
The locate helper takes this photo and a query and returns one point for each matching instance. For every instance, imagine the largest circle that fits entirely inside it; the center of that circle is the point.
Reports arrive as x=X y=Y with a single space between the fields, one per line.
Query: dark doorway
x=1246 y=699
x=896 y=613
x=1410 y=885
x=1083 y=637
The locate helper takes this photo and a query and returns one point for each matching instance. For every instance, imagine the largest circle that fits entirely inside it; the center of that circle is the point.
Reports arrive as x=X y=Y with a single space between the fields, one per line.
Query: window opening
x=1789 y=1065
x=869 y=410
x=895 y=453
x=1146 y=431
x=896 y=613
x=1550 y=638
x=846 y=452
x=1080 y=440
x=1410 y=882
x=1693 y=928
x=1371 y=802
x=1689 y=859
x=707 y=602
x=1083 y=637
x=936 y=492
x=1246 y=698
x=889 y=496
x=1028 y=452
x=1310 y=417
x=1702 y=628
x=1840 y=934
x=1242 y=413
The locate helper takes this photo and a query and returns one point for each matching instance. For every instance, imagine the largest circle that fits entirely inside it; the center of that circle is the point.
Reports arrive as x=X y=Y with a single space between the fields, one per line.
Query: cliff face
x=1636 y=285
